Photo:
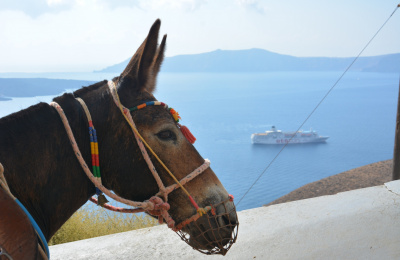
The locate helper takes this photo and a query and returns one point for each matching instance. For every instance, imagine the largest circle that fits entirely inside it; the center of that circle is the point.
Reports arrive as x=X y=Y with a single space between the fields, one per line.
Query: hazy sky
x=86 y=35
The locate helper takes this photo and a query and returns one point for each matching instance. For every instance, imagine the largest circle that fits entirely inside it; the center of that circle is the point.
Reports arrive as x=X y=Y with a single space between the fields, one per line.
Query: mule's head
x=213 y=232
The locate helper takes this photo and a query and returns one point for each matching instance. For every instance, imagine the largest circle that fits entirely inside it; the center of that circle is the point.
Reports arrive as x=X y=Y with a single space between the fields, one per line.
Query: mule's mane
x=26 y=117
x=82 y=91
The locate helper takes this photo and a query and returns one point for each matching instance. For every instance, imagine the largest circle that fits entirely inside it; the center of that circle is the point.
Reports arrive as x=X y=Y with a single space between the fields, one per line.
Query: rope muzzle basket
x=209 y=241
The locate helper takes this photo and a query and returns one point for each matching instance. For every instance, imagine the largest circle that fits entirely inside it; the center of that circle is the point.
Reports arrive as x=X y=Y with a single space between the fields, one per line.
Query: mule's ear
x=158 y=59
x=140 y=67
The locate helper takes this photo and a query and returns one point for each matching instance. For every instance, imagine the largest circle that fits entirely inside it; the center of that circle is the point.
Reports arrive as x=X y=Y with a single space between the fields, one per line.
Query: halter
x=155 y=205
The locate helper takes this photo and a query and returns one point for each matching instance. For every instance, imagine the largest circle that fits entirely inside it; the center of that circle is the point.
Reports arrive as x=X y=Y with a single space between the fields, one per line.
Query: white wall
x=359 y=224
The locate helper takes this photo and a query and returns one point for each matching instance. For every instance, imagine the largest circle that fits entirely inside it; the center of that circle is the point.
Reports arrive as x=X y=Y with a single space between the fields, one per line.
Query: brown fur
x=45 y=176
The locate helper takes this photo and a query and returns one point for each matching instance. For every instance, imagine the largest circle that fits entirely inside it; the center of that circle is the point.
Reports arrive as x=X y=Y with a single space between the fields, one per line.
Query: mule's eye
x=166 y=135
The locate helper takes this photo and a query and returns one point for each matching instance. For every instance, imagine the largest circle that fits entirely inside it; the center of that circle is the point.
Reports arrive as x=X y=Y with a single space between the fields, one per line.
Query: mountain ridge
x=259 y=60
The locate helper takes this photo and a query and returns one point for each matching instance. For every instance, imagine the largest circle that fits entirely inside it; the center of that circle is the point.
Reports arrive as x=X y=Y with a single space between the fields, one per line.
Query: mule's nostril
x=226 y=216
x=226 y=220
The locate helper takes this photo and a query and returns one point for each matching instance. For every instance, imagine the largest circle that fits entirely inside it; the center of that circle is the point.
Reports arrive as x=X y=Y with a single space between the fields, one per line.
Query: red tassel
x=186 y=132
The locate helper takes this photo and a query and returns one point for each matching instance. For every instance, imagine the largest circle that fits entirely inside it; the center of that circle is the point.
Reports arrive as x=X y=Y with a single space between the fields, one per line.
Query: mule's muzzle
x=214 y=232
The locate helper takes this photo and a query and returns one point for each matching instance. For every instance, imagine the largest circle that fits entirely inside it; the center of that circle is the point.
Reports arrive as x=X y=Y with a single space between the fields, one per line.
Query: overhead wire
x=320 y=102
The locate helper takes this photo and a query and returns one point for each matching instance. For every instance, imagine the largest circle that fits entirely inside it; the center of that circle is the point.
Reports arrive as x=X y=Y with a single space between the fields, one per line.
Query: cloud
x=37 y=7
x=149 y=5
x=252 y=5
x=119 y=3
x=52 y=3
x=83 y=36
x=182 y=5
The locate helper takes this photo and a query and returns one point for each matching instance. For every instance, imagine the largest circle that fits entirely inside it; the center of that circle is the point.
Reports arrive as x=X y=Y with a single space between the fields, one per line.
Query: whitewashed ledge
x=359 y=224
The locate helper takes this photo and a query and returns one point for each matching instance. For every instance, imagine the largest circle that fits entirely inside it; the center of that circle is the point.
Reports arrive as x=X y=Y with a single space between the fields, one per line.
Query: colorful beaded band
x=94 y=147
x=185 y=131
x=172 y=111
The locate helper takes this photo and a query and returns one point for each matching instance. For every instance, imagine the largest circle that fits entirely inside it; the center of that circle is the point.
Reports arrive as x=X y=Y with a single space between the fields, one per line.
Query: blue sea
x=223 y=110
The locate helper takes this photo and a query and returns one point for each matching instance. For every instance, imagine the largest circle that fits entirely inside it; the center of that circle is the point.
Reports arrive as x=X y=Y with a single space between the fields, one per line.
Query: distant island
x=5 y=98
x=258 y=60
x=30 y=87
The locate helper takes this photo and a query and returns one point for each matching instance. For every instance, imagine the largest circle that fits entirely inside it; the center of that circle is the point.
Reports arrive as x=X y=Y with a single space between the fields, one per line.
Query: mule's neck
x=40 y=166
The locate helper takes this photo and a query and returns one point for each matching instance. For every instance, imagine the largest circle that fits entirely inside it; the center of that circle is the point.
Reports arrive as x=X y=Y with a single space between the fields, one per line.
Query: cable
x=316 y=107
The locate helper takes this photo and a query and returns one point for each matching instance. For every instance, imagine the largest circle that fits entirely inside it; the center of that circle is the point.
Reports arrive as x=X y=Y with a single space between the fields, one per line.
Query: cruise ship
x=274 y=136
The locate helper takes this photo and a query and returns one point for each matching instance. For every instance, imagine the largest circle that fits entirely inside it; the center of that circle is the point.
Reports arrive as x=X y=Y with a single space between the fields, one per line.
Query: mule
x=43 y=172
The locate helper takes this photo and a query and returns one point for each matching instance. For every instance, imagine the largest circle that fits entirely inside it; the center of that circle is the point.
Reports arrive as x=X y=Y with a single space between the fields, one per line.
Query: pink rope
x=117 y=209
x=188 y=178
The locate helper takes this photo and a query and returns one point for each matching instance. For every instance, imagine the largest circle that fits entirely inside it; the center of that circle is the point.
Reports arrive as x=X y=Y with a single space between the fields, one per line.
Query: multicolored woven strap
x=172 y=111
x=94 y=148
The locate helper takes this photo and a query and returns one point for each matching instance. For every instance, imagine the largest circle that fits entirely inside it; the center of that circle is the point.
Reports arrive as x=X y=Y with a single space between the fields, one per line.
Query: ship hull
x=264 y=139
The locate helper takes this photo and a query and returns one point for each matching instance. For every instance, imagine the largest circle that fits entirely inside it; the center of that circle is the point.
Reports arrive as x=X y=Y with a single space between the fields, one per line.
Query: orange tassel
x=186 y=132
